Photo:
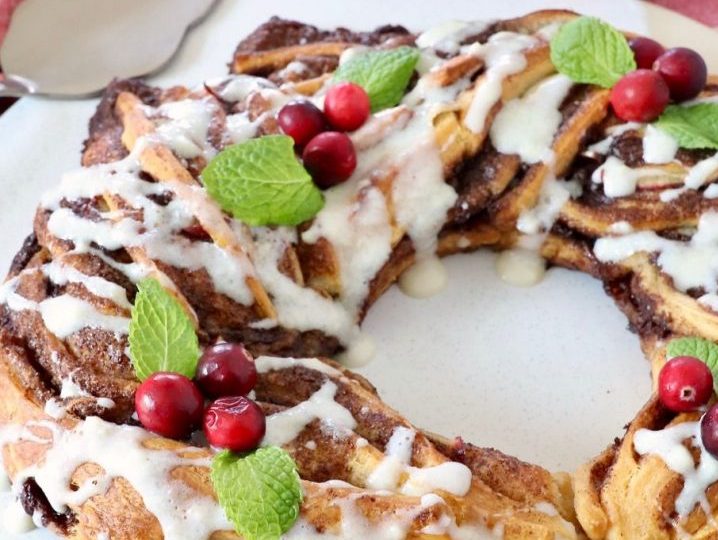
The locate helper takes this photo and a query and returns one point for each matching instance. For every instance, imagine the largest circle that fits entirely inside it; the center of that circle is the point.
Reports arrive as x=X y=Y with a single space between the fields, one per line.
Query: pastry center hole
x=549 y=374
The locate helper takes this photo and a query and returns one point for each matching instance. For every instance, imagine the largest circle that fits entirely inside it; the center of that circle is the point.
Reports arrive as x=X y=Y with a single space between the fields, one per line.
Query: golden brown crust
x=619 y=494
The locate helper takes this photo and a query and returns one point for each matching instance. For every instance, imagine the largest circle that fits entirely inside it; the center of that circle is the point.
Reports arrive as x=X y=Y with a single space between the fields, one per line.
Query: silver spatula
x=72 y=48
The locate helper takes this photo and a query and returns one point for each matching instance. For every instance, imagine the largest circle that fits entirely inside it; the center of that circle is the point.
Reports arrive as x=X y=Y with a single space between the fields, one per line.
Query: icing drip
x=424 y=278
x=618 y=179
x=554 y=194
x=186 y=131
x=119 y=451
x=64 y=315
x=265 y=364
x=667 y=444
x=448 y=36
x=284 y=426
x=520 y=267
x=691 y=264
x=158 y=232
x=450 y=476
x=62 y=274
x=526 y=126
x=355 y=218
x=355 y=526
x=15 y=520
x=604 y=145
x=503 y=55
x=658 y=146
x=298 y=307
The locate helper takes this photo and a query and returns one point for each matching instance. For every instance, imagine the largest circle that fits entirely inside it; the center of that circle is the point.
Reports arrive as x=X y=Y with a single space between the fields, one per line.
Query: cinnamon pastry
x=491 y=147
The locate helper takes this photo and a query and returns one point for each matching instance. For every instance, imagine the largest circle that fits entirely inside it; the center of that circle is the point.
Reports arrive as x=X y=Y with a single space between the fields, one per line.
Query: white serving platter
x=549 y=373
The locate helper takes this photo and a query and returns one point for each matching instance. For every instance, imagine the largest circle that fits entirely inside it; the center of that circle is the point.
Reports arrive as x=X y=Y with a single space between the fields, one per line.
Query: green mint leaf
x=694 y=126
x=700 y=348
x=260 y=182
x=384 y=75
x=162 y=337
x=591 y=51
x=260 y=492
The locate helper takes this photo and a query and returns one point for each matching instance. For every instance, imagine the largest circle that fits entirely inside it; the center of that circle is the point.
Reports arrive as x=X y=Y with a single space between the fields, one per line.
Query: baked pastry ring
x=83 y=467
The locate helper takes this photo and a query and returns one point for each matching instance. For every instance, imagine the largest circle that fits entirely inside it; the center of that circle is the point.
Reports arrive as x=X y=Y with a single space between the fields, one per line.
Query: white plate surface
x=549 y=374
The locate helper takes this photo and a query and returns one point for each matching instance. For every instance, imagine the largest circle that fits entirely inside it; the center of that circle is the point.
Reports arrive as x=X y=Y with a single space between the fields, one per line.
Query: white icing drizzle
x=520 y=267
x=119 y=451
x=526 y=126
x=158 y=231
x=618 y=179
x=658 y=146
x=295 y=67
x=63 y=315
x=553 y=195
x=265 y=364
x=354 y=526
x=604 y=145
x=447 y=36
x=424 y=278
x=450 y=476
x=691 y=264
x=701 y=172
x=667 y=444
x=185 y=132
x=298 y=307
x=15 y=520
x=355 y=218
x=620 y=227
x=284 y=426
x=239 y=87
x=61 y=274
x=70 y=389
x=503 y=55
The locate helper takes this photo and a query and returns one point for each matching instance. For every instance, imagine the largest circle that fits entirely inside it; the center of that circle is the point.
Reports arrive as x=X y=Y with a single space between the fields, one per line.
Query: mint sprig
x=706 y=351
x=693 y=126
x=162 y=337
x=384 y=75
x=260 y=182
x=260 y=492
x=591 y=51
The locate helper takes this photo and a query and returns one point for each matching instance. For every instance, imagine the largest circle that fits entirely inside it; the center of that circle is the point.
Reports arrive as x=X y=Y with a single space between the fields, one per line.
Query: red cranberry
x=709 y=431
x=346 y=106
x=226 y=369
x=301 y=120
x=169 y=404
x=235 y=423
x=330 y=158
x=684 y=71
x=684 y=384
x=645 y=50
x=640 y=96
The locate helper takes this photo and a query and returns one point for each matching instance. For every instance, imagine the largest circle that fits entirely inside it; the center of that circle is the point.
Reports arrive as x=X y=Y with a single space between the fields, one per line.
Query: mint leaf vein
x=162 y=337
x=591 y=51
x=260 y=182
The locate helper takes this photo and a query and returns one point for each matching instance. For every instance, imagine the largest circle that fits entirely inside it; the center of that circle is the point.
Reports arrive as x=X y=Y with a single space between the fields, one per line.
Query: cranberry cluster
x=173 y=405
x=328 y=153
x=642 y=95
x=685 y=384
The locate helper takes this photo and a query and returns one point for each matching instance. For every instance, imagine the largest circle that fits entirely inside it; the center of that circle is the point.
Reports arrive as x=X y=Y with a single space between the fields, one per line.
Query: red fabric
x=705 y=11
x=6 y=9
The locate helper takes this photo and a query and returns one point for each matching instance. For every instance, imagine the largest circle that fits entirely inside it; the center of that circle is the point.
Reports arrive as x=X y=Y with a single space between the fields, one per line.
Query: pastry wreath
x=68 y=387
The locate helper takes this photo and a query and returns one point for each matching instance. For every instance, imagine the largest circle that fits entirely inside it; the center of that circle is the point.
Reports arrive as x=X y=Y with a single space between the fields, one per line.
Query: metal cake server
x=73 y=48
